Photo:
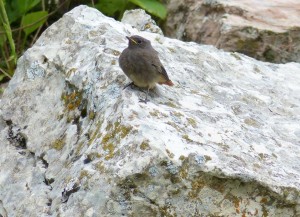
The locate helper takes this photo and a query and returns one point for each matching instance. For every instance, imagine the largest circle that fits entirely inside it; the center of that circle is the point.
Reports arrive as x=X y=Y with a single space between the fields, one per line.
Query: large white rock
x=223 y=141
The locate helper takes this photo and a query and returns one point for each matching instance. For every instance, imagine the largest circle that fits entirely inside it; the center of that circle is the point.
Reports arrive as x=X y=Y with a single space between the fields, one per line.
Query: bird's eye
x=139 y=41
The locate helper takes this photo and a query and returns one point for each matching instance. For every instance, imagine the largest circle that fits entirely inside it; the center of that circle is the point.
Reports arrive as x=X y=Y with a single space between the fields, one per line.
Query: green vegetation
x=22 y=21
x=116 y=8
x=19 y=19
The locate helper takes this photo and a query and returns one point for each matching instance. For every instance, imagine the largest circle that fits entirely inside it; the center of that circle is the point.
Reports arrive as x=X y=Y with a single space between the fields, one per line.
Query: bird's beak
x=130 y=39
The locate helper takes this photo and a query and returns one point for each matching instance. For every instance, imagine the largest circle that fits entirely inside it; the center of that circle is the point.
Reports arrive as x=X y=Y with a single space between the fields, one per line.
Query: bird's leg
x=146 y=99
x=129 y=84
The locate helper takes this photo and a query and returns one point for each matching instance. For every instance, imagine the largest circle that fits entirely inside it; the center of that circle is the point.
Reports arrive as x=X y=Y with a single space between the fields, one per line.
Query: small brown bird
x=140 y=62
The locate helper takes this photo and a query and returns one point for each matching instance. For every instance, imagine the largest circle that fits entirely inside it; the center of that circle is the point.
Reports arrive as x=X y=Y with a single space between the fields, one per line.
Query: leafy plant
x=153 y=7
x=22 y=20
x=18 y=15
x=31 y=22
x=116 y=8
x=5 y=25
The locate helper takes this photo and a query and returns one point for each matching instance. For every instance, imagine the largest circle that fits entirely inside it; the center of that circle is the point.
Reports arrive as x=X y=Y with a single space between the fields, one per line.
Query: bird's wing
x=162 y=70
x=158 y=65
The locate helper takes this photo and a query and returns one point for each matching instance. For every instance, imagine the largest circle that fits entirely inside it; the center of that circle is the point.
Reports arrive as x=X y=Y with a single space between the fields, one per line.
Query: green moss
x=79 y=148
x=116 y=53
x=207 y=158
x=110 y=148
x=248 y=46
x=59 y=144
x=256 y=69
x=235 y=200
x=175 y=192
x=174 y=125
x=125 y=131
x=145 y=145
x=96 y=133
x=183 y=172
x=174 y=179
x=170 y=104
x=256 y=165
x=249 y=99
x=135 y=180
x=147 y=26
x=192 y=122
x=182 y=158
x=187 y=138
x=156 y=113
x=235 y=55
x=106 y=138
x=94 y=155
x=170 y=154
x=92 y=115
x=116 y=132
x=171 y=50
x=274 y=155
x=197 y=185
x=261 y=156
x=177 y=114
x=164 y=163
x=60 y=117
x=71 y=71
x=264 y=212
x=84 y=173
x=269 y=55
x=217 y=184
x=251 y=122
x=100 y=167
x=166 y=211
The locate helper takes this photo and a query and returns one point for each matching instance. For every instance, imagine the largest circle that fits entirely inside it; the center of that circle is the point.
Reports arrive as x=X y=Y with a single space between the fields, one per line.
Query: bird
x=141 y=64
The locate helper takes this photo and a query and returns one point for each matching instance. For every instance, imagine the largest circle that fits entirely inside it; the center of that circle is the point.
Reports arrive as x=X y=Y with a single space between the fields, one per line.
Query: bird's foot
x=131 y=84
x=144 y=100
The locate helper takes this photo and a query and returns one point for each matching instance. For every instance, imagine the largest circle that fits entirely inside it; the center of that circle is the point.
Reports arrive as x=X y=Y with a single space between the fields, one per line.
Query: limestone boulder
x=223 y=141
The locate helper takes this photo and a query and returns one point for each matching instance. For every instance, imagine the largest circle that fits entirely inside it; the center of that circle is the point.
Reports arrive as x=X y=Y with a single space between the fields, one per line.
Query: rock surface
x=266 y=30
x=224 y=141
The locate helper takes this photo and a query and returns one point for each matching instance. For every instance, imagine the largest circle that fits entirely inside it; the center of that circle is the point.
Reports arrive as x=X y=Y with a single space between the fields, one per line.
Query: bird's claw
x=144 y=100
x=129 y=84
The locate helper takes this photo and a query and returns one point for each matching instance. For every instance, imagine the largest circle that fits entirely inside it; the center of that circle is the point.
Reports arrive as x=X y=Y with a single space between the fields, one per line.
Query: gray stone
x=266 y=30
x=223 y=141
x=141 y=21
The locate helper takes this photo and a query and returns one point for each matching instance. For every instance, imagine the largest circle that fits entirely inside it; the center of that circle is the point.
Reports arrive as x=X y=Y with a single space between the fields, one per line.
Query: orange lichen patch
x=197 y=185
x=264 y=200
x=237 y=205
x=244 y=214
x=72 y=100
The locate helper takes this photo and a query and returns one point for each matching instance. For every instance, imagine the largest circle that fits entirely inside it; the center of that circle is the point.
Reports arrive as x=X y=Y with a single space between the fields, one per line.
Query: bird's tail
x=168 y=82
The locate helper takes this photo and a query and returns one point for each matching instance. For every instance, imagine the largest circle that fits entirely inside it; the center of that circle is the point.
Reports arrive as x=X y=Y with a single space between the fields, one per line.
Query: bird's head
x=136 y=41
